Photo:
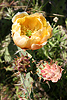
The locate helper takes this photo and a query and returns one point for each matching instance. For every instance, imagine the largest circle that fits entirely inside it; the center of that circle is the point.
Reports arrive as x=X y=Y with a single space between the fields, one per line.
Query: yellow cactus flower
x=30 y=31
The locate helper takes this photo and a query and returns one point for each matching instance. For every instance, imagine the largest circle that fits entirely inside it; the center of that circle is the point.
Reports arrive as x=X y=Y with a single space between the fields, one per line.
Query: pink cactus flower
x=52 y=72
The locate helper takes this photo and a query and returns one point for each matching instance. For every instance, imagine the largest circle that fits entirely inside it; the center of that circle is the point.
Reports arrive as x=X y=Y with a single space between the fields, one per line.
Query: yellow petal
x=19 y=15
x=49 y=29
x=22 y=42
x=16 y=28
x=35 y=39
x=32 y=23
x=43 y=20
x=41 y=17
x=36 y=46
x=41 y=33
x=46 y=35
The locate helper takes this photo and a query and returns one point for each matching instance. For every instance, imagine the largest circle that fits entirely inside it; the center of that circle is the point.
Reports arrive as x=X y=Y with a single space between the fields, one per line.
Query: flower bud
x=21 y=63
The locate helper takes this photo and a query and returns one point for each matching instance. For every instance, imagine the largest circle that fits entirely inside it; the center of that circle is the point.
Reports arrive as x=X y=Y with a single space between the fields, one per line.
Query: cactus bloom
x=30 y=31
x=52 y=72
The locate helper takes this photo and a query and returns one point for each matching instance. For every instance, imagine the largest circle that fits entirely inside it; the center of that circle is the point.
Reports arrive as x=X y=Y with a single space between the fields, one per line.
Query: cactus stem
x=22 y=80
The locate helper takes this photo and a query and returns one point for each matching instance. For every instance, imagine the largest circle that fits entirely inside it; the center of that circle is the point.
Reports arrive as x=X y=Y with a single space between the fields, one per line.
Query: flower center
x=29 y=25
x=26 y=31
x=29 y=33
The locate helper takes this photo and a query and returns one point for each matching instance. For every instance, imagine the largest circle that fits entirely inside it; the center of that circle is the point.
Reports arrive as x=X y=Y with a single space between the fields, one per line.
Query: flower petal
x=22 y=42
x=16 y=28
x=19 y=15
x=36 y=46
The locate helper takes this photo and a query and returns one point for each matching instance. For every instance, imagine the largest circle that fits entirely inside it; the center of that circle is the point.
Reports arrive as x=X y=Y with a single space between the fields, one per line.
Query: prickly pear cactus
x=23 y=90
